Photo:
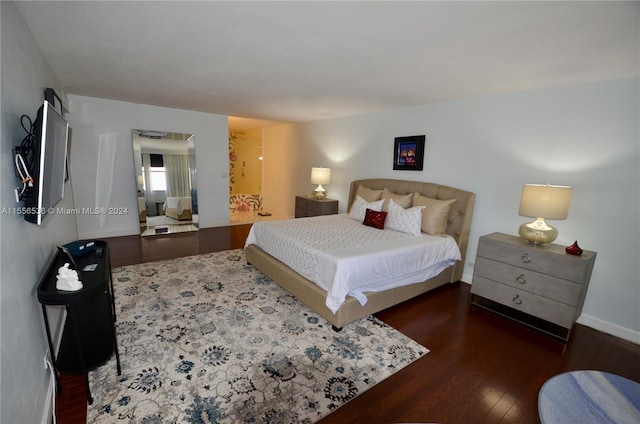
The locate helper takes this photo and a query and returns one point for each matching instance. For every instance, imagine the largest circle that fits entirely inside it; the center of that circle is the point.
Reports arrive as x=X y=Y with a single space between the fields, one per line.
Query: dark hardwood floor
x=482 y=368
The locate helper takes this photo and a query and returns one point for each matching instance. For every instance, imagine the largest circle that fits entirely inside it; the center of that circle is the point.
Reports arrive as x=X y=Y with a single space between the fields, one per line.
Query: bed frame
x=180 y=216
x=173 y=213
x=458 y=226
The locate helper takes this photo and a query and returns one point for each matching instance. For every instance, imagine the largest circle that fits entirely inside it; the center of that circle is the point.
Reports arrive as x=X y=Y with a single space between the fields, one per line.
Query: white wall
x=25 y=248
x=586 y=136
x=102 y=161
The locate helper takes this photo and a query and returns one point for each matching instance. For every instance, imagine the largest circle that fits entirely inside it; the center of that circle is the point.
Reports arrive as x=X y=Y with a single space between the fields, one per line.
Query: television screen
x=50 y=156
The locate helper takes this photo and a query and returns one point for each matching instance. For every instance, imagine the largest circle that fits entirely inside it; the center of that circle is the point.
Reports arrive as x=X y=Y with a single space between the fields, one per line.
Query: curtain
x=177 y=172
x=146 y=165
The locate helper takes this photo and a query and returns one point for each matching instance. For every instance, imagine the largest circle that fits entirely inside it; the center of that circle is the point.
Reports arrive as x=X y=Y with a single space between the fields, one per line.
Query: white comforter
x=345 y=257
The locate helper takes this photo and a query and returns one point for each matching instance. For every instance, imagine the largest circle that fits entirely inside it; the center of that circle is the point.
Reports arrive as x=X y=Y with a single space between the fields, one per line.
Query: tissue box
x=80 y=248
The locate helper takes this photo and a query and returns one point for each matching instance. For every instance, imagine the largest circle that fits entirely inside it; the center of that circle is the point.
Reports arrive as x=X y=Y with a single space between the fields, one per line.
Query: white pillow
x=404 y=220
x=359 y=208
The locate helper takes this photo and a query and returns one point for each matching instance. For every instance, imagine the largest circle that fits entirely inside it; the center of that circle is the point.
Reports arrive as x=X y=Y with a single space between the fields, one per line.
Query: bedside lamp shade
x=320 y=176
x=543 y=202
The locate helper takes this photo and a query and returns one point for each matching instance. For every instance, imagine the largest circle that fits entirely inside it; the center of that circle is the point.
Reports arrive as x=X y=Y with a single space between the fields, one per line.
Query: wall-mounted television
x=51 y=132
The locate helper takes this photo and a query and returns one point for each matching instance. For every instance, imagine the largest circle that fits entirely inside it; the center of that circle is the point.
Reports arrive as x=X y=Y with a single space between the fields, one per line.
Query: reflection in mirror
x=165 y=169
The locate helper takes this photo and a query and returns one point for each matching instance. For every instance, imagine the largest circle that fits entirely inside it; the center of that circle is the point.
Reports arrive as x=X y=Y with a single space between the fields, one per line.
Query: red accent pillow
x=374 y=219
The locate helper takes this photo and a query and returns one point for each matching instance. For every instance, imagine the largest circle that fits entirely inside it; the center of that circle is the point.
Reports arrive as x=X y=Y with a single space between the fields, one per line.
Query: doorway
x=245 y=175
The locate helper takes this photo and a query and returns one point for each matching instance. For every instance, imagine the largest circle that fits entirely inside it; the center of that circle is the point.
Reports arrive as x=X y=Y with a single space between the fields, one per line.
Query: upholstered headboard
x=459 y=221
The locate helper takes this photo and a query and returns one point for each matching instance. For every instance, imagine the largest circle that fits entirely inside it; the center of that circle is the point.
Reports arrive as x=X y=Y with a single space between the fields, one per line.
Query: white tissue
x=68 y=279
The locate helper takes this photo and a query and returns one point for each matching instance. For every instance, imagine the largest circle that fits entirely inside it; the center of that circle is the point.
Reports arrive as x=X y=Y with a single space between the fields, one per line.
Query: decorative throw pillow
x=403 y=200
x=404 y=220
x=374 y=219
x=434 y=215
x=368 y=194
x=359 y=208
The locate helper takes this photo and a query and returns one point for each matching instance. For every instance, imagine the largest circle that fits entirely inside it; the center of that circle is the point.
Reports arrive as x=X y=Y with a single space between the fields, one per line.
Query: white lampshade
x=320 y=175
x=543 y=202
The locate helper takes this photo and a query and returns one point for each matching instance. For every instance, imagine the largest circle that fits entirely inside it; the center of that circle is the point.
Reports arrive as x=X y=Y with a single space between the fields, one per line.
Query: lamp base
x=538 y=232
x=320 y=193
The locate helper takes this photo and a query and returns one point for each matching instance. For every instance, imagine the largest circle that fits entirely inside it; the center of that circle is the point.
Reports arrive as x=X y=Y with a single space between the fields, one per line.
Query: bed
x=456 y=223
x=178 y=208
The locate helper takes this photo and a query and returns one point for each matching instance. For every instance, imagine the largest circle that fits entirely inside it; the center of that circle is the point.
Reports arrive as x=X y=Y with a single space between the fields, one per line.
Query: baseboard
x=609 y=328
x=47 y=413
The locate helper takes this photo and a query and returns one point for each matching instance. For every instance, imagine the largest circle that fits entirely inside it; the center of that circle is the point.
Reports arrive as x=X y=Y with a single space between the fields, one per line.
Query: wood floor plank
x=482 y=367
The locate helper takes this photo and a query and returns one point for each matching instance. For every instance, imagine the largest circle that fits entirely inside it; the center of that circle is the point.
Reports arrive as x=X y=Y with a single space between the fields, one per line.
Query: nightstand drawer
x=307 y=203
x=531 y=281
x=308 y=206
x=520 y=300
x=323 y=207
x=550 y=259
x=304 y=213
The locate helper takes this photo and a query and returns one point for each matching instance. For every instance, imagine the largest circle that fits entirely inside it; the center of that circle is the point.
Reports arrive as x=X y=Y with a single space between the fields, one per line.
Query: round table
x=589 y=397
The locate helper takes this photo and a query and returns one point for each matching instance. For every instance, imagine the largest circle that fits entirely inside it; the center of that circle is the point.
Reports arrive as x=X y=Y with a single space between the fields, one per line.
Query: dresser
x=308 y=206
x=539 y=285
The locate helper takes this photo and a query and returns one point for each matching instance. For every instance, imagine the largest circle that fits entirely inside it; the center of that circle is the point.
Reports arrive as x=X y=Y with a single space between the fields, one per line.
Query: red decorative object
x=374 y=219
x=574 y=249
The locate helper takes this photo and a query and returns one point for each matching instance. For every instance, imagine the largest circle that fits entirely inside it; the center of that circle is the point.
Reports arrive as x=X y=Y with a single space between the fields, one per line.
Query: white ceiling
x=302 y=61
x=162 y=142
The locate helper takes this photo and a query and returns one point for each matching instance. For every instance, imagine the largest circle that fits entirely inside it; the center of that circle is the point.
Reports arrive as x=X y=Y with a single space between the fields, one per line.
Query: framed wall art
x=408 y=153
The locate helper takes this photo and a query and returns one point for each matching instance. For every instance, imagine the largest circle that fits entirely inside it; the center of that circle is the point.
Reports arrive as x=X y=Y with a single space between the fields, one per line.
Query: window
x=158 y=179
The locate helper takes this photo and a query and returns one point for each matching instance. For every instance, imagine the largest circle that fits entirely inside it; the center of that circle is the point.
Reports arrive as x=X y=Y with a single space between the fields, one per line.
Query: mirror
x=165 y=169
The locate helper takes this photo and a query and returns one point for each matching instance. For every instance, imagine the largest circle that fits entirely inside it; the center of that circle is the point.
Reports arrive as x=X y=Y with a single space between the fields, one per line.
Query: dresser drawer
x=549 y=259
x=529 y=303
x=531 y=281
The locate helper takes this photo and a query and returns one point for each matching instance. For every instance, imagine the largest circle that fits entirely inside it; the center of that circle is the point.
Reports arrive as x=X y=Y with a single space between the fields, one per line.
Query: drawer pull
x=517 y=300
x=525 y=259
x=521 y=279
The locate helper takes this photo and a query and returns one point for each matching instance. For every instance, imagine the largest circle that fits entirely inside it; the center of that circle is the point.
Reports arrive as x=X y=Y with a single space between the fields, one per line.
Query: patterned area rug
x=210 y=339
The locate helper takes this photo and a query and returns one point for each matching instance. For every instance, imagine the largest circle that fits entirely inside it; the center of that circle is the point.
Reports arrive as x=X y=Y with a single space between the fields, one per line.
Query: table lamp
x=320 y=176
x=542 y=202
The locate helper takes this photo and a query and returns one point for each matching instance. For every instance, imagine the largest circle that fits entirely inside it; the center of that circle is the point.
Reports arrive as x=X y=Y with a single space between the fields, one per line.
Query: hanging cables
x=24 y=154
x=26 y=178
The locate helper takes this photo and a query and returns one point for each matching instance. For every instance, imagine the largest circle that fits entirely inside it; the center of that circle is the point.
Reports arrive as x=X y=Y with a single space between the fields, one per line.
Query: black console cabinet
x=89 y=336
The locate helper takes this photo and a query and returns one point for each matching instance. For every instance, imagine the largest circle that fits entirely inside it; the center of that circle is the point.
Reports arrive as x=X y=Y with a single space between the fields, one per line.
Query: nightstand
x=541 y=286
x=89 y=336
x=308 y=206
